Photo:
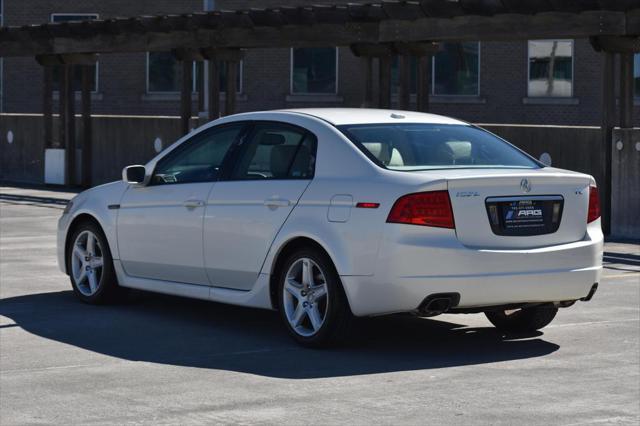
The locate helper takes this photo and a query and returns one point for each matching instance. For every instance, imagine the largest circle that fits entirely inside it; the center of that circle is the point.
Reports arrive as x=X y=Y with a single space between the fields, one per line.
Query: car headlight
x=68 y=207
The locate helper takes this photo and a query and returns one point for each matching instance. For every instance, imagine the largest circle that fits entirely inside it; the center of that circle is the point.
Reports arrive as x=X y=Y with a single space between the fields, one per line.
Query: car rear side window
x=277 y=151
x=409 y=147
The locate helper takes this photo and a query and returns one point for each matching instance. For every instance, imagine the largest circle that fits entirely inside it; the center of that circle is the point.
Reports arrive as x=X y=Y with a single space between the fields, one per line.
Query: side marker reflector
x=367 y=205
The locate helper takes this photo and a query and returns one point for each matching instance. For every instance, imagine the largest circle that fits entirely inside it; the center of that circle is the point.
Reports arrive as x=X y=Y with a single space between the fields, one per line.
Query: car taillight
x=594 y=204
x=423 y=208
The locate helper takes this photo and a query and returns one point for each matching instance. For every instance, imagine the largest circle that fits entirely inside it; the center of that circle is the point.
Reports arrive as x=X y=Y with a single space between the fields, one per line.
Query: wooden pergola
x=374 y=31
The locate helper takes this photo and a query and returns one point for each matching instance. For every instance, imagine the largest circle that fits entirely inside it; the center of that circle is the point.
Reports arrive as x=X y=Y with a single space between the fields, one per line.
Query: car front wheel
x=90 y=265
x=313 y=305
x=523 y=320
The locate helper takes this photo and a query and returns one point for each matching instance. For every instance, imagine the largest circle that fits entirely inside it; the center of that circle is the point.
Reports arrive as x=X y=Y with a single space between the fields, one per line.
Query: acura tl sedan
x=329 y=214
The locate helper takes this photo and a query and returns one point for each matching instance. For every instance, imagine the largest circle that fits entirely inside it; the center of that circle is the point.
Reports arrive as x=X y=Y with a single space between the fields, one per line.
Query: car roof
x=345 y=116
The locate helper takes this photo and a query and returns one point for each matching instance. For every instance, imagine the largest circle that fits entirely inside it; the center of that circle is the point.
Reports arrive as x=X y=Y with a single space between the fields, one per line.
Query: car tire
x=523 y=320
x=90 y=266
x=300 y=294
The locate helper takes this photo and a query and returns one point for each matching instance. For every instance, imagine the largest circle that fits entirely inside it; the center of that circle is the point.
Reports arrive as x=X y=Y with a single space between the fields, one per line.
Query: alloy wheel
x=305 y=297
x=87 y=263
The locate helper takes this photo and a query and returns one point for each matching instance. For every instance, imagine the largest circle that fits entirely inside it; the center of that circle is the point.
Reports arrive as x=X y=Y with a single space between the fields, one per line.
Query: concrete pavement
x=163 y=360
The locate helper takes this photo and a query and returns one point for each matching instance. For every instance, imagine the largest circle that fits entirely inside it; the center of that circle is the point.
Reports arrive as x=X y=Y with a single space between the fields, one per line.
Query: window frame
x=573 y=68
x=194 y=79
x=291 y=67
x=244 y=125
x=96 y=16
x=247 y=138
x=432 y=91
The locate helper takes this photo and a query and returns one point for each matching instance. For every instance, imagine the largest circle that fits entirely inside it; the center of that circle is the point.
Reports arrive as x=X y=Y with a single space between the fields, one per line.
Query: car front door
x=160 y=224
x=246 y=210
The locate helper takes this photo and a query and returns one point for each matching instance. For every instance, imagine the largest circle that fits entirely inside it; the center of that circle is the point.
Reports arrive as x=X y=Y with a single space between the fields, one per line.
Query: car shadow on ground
x=176 y=331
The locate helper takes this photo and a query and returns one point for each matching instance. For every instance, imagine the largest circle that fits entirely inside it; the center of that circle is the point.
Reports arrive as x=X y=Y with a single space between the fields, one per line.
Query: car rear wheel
x=90 y=265
x=313 y=305
x=523 y=320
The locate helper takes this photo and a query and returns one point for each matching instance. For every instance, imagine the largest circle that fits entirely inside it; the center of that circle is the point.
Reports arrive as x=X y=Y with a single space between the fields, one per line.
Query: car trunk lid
x=518 y=208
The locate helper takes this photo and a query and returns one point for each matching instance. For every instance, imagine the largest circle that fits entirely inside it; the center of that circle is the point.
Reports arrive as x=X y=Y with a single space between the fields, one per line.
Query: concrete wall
x=123 y=140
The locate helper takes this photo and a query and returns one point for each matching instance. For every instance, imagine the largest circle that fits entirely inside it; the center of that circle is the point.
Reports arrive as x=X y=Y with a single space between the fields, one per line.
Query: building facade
x=535 y=82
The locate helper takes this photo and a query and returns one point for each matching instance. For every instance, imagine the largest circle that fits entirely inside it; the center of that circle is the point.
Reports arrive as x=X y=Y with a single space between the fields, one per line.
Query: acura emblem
x=525 y=185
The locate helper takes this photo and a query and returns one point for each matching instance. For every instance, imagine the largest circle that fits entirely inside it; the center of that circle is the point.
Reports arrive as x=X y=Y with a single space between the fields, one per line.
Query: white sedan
x=326 y=214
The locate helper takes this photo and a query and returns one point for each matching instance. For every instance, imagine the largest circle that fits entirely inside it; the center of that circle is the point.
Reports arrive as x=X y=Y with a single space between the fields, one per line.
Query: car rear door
x=246 y=209
x=160 y=224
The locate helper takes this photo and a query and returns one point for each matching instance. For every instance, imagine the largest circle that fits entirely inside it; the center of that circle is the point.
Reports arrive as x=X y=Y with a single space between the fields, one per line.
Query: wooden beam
x=616 y=44
x=367 y=63
x=326 y=25
x=404 y=81
x=373 y=50
x=416 y=48
x=214 y=90
x=424 y=83
x=233 y=55
x=384 y=85
x=185 y=96
x=626 y=90
x=47 y=106
x=88 y=74
x=232 y=88
x=67 y=59
x=192 y=55
x=402 y=10
x=505 y=27
x=70 y=124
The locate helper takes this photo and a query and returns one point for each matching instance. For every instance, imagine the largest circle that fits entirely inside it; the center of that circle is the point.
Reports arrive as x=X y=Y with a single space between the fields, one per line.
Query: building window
x=77 y=69
x=456 y=69
x=550 y=68
x=164 y=74
x=314 y=70
x=636 y=75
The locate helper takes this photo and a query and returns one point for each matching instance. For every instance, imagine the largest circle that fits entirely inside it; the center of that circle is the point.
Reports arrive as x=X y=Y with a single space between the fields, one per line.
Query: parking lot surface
x=163 y=360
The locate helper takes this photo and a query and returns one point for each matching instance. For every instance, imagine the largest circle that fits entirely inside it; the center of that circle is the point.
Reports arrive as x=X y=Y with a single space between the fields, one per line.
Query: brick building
x=535 y=82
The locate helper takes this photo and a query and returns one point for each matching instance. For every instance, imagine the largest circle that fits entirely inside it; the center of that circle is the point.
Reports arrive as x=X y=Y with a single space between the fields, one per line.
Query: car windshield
x=412 y=147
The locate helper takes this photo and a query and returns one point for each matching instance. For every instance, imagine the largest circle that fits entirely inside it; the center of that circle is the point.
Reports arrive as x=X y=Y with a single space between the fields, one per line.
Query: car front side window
x=198 y=159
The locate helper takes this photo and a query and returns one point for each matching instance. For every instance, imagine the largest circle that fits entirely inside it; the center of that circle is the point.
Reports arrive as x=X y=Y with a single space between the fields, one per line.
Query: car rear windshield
x=412 y=147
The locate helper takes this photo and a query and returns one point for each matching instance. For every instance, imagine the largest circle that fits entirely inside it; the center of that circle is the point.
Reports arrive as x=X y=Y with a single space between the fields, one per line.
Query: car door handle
x=192 y=204
x=277 y=202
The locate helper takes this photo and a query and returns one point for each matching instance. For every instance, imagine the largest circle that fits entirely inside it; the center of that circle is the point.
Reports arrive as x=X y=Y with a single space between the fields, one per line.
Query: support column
x=368 y=82
x=384 y=82
x=607 y=125
x=87 y=130
x=232 y=87
x=200 y=77
x=185 y=96
x=231 y=59
x=424 y=82
x=423 y=53
x=214 y=90
x=404 y=81
x=71 y=126
x=62 y=108
x=626 y=90
x=47 y=106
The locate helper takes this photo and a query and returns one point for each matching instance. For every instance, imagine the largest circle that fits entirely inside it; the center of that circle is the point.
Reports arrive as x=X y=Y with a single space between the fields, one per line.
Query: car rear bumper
x=410 y=269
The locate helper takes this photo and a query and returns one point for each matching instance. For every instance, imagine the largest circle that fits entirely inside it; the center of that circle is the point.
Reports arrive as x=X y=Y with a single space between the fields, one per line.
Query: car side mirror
x=134 y=175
